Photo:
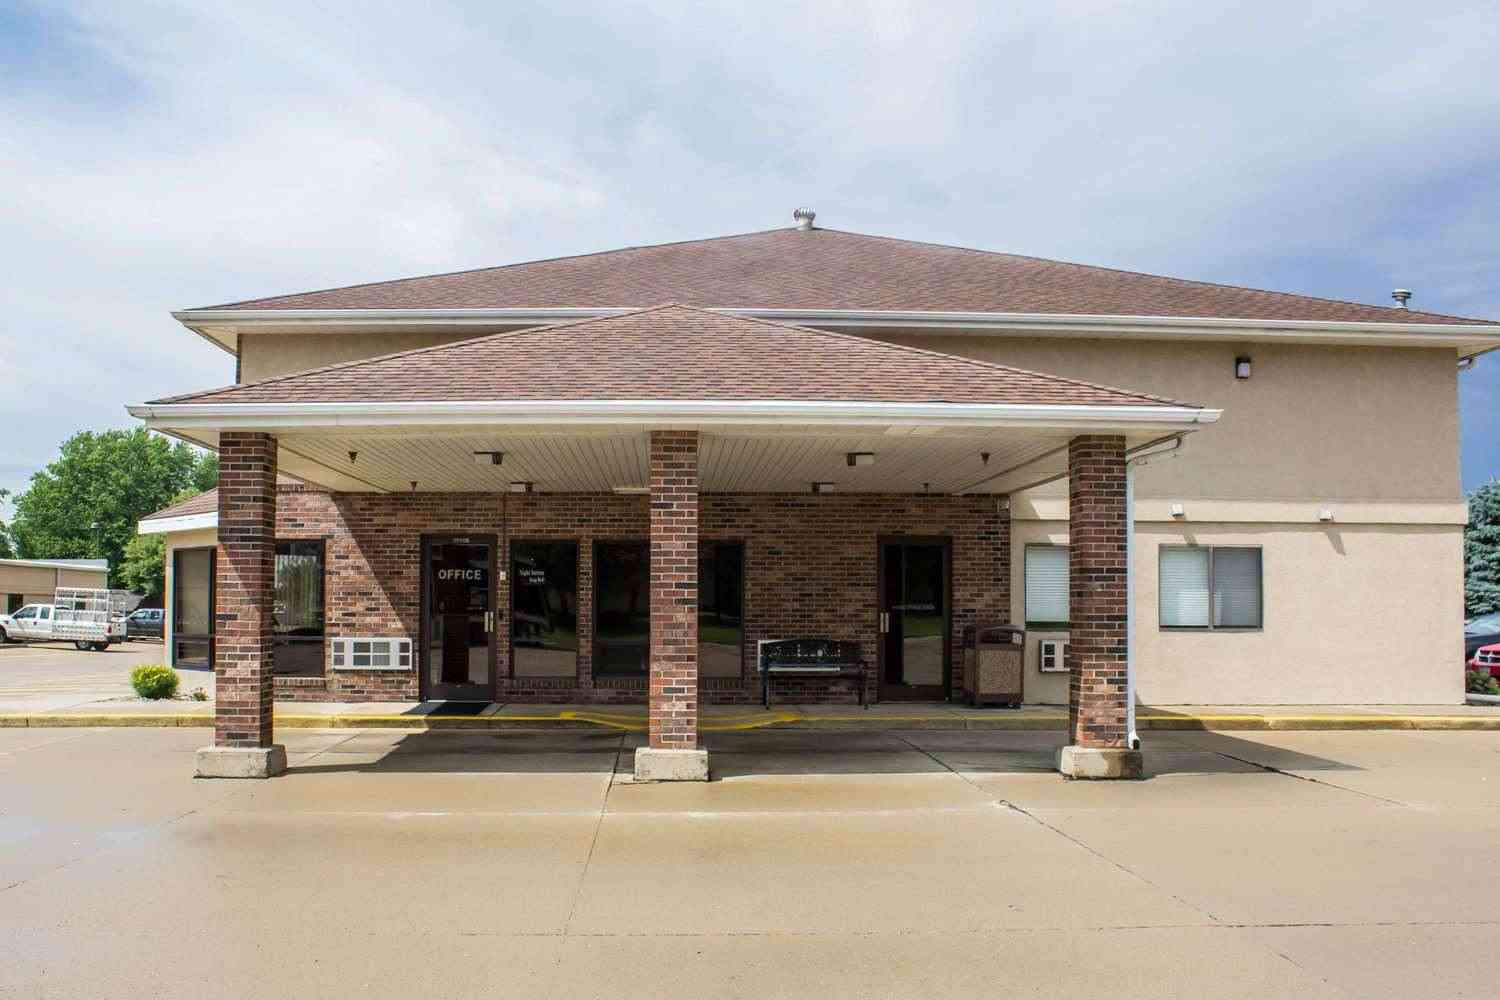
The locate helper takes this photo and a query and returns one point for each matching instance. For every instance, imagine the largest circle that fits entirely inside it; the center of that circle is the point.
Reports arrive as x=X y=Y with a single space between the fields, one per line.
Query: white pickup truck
x=89 y=618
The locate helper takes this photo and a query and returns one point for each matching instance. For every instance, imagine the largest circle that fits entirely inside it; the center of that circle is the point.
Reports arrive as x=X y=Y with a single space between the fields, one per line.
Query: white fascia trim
x=186 y=522
x=83 y=567
x=1473 y=336
x=271 y=416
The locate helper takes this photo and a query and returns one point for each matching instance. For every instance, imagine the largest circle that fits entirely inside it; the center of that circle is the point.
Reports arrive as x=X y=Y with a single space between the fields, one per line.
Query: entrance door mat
x=458 y=708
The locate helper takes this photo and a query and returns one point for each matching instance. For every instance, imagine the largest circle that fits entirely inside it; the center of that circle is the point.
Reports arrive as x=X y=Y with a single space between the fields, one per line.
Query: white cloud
x=184 y=154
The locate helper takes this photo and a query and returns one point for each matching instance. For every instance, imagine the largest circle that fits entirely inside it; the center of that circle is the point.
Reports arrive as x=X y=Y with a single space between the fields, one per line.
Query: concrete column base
x=241 y=762
x=1100 y=762
x=654 y=764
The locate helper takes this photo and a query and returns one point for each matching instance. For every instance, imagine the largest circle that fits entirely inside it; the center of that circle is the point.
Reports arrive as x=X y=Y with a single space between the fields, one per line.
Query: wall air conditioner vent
x=371 y=653
x=1052 y=656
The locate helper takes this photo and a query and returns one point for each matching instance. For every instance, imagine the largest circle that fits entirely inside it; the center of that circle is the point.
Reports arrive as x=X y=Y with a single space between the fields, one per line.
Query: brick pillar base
x=1097 y=728
x=673 y=753
x=243 y=601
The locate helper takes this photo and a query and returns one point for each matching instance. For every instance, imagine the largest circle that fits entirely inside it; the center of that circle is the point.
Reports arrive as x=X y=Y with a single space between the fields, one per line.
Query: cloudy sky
x=160 y=156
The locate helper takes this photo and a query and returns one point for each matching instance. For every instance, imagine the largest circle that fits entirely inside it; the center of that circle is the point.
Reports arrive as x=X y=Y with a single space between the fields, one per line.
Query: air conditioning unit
x=1052 y=656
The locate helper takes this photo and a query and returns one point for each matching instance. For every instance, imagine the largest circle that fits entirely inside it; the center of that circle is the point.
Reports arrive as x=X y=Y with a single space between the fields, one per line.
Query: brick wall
x=810 y=567
x=242 y=610
x=1096 y=591
x=673 y=718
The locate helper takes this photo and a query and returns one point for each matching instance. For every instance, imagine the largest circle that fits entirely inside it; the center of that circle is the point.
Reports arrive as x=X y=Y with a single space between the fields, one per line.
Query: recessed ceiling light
x=632 y=489
x=856 y=458
x=489 y=457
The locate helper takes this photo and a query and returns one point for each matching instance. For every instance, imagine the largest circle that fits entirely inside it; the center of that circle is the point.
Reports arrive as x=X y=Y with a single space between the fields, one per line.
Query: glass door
x=458 y=662
x=915 y=623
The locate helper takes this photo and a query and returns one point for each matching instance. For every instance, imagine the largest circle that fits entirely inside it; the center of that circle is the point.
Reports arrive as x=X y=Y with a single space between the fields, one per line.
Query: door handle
x=885 y=622
x=489 y=621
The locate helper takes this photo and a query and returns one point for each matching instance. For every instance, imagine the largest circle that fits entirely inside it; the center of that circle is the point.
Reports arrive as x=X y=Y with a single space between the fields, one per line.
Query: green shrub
x=154 y=680
x=1480 y=682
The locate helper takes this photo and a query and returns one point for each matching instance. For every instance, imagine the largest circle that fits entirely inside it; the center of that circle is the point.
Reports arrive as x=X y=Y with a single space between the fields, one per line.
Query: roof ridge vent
x=804 y=217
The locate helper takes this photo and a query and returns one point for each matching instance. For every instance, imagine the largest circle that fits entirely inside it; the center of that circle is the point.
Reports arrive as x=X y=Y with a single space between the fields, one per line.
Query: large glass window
x=192 y=607
x=622 y=608
x=1209 y=587
x=1046 y=587
x=721 y=597
x=297 y=624
x=544 y=609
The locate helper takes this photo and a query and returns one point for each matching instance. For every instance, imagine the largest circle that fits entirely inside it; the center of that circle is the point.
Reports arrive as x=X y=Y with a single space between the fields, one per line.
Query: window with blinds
x=1046 y=586
x=1209 y=587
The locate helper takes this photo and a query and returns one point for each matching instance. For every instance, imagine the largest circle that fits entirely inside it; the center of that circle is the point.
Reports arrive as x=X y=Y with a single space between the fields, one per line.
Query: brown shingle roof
x=671 y=352
x=207 y=502
x=829 y=269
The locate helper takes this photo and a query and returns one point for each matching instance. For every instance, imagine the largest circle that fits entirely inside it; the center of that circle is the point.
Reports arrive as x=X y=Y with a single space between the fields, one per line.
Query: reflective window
x=721 y=594
x=297 y=623
x=622 y=608
x=1210 y=587
x=544 y=609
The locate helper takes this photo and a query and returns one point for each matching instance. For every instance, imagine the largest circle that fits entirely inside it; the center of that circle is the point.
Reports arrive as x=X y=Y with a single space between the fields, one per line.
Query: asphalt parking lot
x=51 y=675
x=879 y=864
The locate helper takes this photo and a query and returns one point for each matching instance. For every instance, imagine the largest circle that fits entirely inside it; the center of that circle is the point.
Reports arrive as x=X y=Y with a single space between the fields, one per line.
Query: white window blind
x=1237 y=588
x=1046 y=583
x=1184 y=588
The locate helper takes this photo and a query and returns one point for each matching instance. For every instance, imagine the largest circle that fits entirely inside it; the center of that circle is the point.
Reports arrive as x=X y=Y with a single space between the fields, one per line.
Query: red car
x=1487 y=658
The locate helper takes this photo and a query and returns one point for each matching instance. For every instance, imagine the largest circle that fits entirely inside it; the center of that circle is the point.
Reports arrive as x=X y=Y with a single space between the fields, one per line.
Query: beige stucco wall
x=1311 y=423
x=180 y=540
x=263 y=355
x=38 y=584
x=1363 y=614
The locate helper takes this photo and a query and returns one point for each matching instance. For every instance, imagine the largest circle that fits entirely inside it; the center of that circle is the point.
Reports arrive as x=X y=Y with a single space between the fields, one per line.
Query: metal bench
x=809 y=657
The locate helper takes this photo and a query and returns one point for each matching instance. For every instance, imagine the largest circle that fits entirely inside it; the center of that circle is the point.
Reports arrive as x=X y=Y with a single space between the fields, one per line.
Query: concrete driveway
x=881 y=864
x=53 y=675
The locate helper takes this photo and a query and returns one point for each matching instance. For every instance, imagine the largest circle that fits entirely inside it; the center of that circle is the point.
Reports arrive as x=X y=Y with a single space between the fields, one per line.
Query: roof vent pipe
x=1402 y=296
x=804 y=217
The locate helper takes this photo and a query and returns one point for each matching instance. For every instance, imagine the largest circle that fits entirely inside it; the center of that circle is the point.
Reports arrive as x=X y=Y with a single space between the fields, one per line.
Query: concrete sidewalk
x=908 y=863
x=738 y=718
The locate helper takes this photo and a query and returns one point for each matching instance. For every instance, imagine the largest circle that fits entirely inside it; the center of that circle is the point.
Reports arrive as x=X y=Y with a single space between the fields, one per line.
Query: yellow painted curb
x=574 y=719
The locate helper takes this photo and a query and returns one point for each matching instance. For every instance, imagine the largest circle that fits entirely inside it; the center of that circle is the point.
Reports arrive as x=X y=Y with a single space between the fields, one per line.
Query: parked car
x=34 y=621
x=1481 y=630
x=1487 y=658
x=144 y=623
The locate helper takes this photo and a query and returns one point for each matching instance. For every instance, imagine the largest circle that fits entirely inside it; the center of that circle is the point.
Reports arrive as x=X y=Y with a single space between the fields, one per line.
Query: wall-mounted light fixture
x=856 y=458
x=353 y=457
x=1325 y=514
x=517 y=486
x=489 y=457
x=822 y=487
x=1176 y=510
x=1242 y=367
x=631 y=490
x=413 y=485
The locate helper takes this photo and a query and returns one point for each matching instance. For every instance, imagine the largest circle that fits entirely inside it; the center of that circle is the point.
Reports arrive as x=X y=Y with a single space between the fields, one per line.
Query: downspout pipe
x=1132 y=736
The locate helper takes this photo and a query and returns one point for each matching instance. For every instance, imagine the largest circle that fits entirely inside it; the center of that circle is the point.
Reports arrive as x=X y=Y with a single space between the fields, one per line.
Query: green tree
x=1482 y=551
x=7 y=551
x=85 y=505
x=143 y=568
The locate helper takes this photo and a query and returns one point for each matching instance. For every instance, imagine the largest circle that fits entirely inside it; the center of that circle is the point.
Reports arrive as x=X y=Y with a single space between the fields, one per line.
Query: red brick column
x=1096 y=591
x=674 y=590
x=243 y=590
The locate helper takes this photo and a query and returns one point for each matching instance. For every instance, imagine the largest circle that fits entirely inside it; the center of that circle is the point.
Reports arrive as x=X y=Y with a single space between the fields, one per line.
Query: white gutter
x=85 y=565
x=1472 y=337
x=183 y=522
x=246 y=416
